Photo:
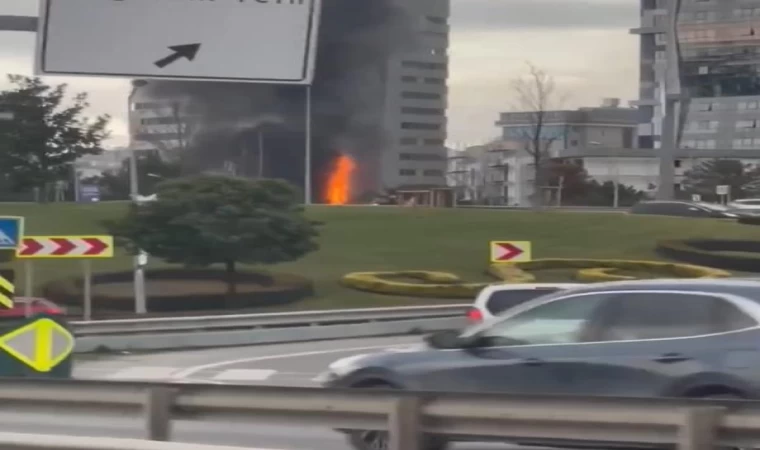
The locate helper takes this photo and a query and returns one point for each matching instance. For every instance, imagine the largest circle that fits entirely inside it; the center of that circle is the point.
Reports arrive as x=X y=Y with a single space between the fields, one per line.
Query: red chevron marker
x=66 y=247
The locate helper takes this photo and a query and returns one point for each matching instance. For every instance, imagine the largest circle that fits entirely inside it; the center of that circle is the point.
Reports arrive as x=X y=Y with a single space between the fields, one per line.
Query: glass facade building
x=716 y=58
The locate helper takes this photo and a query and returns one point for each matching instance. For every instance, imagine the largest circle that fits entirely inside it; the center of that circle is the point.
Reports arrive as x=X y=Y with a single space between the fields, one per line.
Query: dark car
x=683 y=209
x=648 y=338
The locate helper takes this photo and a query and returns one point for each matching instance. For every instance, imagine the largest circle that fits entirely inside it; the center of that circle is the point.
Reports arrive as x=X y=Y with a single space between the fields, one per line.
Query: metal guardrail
x=406 y=416
x=26 y=441
x=249 y=321
x=249 y=329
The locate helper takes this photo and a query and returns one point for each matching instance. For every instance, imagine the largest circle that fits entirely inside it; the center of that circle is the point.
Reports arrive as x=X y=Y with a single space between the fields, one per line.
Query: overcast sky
x=584 y=44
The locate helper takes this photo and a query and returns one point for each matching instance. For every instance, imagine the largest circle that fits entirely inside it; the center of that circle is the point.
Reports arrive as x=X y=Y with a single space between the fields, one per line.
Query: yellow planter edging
x=441 y=284
x=447 y=285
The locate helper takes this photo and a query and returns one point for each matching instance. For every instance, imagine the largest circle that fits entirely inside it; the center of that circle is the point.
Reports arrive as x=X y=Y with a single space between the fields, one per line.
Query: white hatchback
x=497 y=298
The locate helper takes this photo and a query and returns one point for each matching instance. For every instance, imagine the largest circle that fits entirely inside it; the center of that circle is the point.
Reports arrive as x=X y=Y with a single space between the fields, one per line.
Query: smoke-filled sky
x=585 y=45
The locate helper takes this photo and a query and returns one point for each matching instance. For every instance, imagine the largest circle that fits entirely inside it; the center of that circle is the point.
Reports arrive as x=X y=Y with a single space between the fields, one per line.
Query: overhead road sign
x=81 y=247
x=7 y=288
x=11 y=230
x=510 y=251
x=263 y=41
x=42 y=344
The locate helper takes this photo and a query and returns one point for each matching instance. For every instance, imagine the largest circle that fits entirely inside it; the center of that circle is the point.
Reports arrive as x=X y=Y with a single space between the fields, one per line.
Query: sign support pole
x=28 y=278
x=307 y=150
x=87 y=288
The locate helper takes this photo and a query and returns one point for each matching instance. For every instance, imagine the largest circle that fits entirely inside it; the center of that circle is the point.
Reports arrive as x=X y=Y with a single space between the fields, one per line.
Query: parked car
x=497 y=298
x=695 y=338
x=745 y=204
x=683 y=209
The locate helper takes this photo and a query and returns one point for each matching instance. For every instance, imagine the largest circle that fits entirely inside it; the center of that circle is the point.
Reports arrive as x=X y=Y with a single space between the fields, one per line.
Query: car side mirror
x=446 y=339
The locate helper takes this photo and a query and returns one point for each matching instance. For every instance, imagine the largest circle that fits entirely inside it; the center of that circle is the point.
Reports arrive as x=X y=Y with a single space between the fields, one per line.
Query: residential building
x=607 y=125
x=711 y=49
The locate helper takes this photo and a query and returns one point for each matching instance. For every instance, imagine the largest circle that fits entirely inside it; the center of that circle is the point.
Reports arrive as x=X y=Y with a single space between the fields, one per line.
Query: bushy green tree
x=209 y=219
x=704 y=178
x=45 y=134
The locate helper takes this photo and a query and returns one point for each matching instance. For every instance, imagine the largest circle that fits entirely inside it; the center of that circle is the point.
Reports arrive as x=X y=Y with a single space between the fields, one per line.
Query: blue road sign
x=89 y=193
x=11 y=232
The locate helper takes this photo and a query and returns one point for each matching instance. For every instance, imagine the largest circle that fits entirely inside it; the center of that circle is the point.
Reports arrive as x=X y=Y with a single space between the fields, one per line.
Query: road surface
x=295 y=364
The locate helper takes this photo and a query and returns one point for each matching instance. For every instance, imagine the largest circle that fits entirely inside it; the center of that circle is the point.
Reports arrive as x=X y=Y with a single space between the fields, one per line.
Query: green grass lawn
x=387 y=238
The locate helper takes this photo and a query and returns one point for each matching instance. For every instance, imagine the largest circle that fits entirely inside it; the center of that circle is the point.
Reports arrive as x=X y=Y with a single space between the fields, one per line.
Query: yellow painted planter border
x=447 y=285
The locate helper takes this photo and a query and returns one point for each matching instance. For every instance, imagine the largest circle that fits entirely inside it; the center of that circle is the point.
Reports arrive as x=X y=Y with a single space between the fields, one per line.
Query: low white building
x=499 y=175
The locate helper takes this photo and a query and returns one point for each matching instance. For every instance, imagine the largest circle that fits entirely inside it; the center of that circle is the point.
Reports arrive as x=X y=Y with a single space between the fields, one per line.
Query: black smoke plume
x=228 y=121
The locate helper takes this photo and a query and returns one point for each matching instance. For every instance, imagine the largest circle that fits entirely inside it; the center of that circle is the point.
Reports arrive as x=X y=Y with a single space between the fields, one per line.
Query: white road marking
x=244 y=375
x=143 y=373
x=190 y=371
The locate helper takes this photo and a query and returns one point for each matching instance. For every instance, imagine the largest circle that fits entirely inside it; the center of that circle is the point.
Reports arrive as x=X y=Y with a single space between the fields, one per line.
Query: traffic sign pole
x=87 y=288
x=28 y=278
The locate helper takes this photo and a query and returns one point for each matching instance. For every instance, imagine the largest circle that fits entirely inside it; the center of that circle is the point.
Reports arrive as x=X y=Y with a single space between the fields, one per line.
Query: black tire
x=378 y=440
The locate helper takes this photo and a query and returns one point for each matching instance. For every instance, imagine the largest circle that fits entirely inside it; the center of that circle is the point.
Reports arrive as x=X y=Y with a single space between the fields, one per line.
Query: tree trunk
x=231 y=278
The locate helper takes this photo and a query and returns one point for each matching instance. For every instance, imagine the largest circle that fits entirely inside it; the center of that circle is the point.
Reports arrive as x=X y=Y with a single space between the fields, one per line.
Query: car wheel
x=379 y=440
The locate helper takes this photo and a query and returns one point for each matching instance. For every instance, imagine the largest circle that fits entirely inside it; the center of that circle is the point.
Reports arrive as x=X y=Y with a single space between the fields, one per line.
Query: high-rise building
x=416 y=100
x=380 y=95
x=712 y=47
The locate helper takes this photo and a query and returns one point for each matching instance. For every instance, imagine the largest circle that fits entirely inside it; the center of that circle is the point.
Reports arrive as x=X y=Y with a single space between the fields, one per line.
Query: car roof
x=518 y=286
x=737 y=286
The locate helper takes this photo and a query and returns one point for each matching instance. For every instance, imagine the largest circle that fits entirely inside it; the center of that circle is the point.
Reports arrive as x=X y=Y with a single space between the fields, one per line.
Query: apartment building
x=710 y=50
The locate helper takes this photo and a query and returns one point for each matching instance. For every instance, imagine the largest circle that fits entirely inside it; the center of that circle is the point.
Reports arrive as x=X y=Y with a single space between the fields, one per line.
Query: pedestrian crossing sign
x=11 y=232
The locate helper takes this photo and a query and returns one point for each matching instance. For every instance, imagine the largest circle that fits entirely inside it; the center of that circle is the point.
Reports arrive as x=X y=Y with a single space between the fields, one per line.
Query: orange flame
x=339 y=182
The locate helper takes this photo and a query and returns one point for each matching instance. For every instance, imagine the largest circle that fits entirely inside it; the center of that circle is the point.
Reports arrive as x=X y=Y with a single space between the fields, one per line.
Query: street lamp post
x=134 y=192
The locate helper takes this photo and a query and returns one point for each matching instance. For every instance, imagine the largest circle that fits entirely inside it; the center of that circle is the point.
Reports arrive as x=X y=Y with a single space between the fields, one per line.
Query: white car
x=497 y=298
x=747 y=204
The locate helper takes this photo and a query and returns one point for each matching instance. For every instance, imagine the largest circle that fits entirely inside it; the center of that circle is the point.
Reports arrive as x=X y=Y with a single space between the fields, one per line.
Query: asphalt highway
x=294 y=364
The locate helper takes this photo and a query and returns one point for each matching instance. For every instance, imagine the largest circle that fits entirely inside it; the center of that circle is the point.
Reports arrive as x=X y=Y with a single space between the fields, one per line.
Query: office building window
x=408 y=79
x=433 y=80
x=699 y=143
x=746 y=124
x=746 y=143
x=747 y=106
x=411 y=95
x=420 y=126
x=422 y=111
x=407 y=172
x=408 y=141
x=420 y=157
x=423 y=65
x=433 y=141
x=159 y=121
x=703 y=126
x=432 y=173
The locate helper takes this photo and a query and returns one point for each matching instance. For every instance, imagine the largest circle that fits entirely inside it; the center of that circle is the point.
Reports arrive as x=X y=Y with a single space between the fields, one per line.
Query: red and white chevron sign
x=82 y=247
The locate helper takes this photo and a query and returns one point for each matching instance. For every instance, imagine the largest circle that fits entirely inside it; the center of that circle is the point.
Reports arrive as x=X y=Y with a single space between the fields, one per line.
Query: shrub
x=254 y=290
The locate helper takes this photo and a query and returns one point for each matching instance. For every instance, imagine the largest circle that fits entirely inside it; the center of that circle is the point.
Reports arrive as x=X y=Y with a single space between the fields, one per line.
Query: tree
x=536 y=95
x=208 y=219
x=572 y=177
x=702 y=179
x=46 y=134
